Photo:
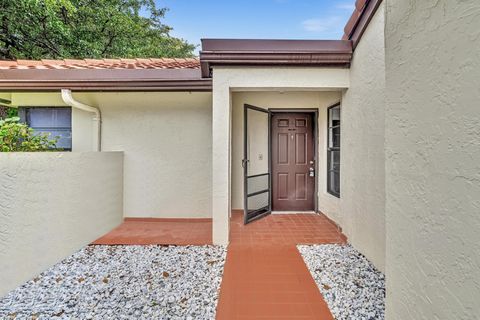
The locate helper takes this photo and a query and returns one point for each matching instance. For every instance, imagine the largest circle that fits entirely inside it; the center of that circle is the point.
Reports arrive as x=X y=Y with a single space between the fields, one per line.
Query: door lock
x=312 y=172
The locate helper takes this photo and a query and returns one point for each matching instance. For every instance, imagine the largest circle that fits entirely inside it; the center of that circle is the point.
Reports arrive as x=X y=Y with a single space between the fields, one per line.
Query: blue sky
x=263 y=19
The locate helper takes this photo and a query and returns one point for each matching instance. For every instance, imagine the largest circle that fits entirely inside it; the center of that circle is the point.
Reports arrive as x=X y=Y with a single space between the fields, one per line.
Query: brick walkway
x=265 y=276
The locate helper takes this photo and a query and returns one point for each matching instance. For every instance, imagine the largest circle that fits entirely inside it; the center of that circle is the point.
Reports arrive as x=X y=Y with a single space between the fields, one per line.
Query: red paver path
x=145 y=231
x=265 y=276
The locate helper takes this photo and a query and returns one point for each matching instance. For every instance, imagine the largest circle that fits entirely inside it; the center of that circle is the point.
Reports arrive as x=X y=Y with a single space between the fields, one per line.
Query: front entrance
x=293 y=162
x=279 y=161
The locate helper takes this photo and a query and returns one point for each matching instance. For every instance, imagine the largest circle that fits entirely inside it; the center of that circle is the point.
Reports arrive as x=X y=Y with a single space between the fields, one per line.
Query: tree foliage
x=56 y=29
x=7 y=112
x=16 y=136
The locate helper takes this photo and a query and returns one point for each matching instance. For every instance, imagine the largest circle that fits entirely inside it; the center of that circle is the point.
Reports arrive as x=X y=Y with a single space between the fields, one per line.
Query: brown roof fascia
x=256 y=52
x=152 y=85
x=358 y=22
x=104 y=80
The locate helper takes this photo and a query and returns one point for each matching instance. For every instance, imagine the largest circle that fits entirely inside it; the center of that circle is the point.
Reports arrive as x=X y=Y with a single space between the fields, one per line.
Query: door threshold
x=292 y=212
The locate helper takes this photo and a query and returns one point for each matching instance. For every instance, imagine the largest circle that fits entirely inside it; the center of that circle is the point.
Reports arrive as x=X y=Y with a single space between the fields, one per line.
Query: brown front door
x=293 y=180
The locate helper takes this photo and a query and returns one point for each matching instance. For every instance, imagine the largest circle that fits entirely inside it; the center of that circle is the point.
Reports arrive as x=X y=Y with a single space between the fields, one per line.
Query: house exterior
x=366 y=137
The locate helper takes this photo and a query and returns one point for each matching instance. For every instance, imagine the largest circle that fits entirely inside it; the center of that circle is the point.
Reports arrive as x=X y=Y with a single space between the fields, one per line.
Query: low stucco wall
x=362 y=146
x=52 y=204
x=433 y=159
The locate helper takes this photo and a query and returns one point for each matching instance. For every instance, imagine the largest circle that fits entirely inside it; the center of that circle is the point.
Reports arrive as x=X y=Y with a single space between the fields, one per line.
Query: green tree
x=16 y=136
x=57 y=29
x=7 y=112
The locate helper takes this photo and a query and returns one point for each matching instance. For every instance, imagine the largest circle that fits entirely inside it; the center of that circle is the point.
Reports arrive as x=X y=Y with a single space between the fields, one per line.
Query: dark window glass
x=333 y=151
x=55 y=121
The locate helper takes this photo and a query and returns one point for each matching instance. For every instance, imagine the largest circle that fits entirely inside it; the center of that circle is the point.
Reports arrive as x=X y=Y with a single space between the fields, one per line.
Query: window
x=333 y=151
x=56 y=121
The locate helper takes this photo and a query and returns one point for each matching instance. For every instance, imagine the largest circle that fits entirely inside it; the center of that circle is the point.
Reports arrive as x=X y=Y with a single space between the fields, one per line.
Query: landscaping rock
x=123 y=282
x=349 y=283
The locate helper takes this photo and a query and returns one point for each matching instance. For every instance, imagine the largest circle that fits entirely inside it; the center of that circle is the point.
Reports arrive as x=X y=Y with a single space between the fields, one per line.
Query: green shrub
x=16 y=136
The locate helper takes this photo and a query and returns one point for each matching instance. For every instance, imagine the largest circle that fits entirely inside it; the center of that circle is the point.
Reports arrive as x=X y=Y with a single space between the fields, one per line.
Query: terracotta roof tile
x=52 y=62
x=139 y=63
x=74 y=62
x=93 y=61
x=29 y=62
x=7 y=63
x=128 y=60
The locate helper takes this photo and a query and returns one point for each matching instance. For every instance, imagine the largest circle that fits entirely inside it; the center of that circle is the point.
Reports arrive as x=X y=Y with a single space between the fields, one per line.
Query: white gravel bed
x=123 y=282
x=349 y=283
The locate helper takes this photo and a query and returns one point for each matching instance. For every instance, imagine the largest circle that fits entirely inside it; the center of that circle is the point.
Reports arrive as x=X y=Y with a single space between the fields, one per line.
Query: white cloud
x=346 y=6
x=323 y=24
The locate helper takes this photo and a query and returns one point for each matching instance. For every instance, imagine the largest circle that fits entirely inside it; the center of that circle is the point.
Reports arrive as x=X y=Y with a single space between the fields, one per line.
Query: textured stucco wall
x=327 y=203
x=167 y=142
x=433 y=159
x=362 y=146
x=52 y=204
x=166 y=138
x=84 y=131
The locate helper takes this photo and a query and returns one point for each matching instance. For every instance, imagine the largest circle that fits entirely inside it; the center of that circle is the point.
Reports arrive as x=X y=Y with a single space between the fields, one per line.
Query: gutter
x=69 y=100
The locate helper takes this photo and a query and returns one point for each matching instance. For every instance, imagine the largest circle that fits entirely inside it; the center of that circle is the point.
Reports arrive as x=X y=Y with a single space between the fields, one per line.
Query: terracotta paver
x=265 y=276
x=144 y=231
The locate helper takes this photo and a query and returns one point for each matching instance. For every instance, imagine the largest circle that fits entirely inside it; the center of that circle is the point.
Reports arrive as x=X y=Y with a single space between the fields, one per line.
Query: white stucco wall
x=84 y=131
x=166 y=138
x=433 y=159
x=320 y=100
x=362 y=146
x=167 y=142
x=51 y=205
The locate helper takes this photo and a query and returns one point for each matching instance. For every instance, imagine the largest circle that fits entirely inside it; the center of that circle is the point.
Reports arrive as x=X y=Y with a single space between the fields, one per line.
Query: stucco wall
x=362 y=146
x=52 y=204
x=84 y=131
x=293 y=100
x=166 y=138
x=433 y=159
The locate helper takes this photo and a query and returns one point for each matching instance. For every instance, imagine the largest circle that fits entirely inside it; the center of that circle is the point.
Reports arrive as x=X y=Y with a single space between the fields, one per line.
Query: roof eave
x=243 y=52
x=104 y=80
x=360 y=19
x=200 y=85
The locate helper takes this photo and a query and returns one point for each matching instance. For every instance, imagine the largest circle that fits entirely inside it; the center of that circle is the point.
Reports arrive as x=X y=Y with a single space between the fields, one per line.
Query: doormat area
x=349 y=283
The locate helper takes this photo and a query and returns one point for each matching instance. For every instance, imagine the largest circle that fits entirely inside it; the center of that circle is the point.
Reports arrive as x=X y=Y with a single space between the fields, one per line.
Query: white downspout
x=69 y=100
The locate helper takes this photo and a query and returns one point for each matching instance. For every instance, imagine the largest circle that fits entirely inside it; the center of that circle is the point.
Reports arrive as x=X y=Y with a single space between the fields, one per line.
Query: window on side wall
x=54 y=120
x=333 y=151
